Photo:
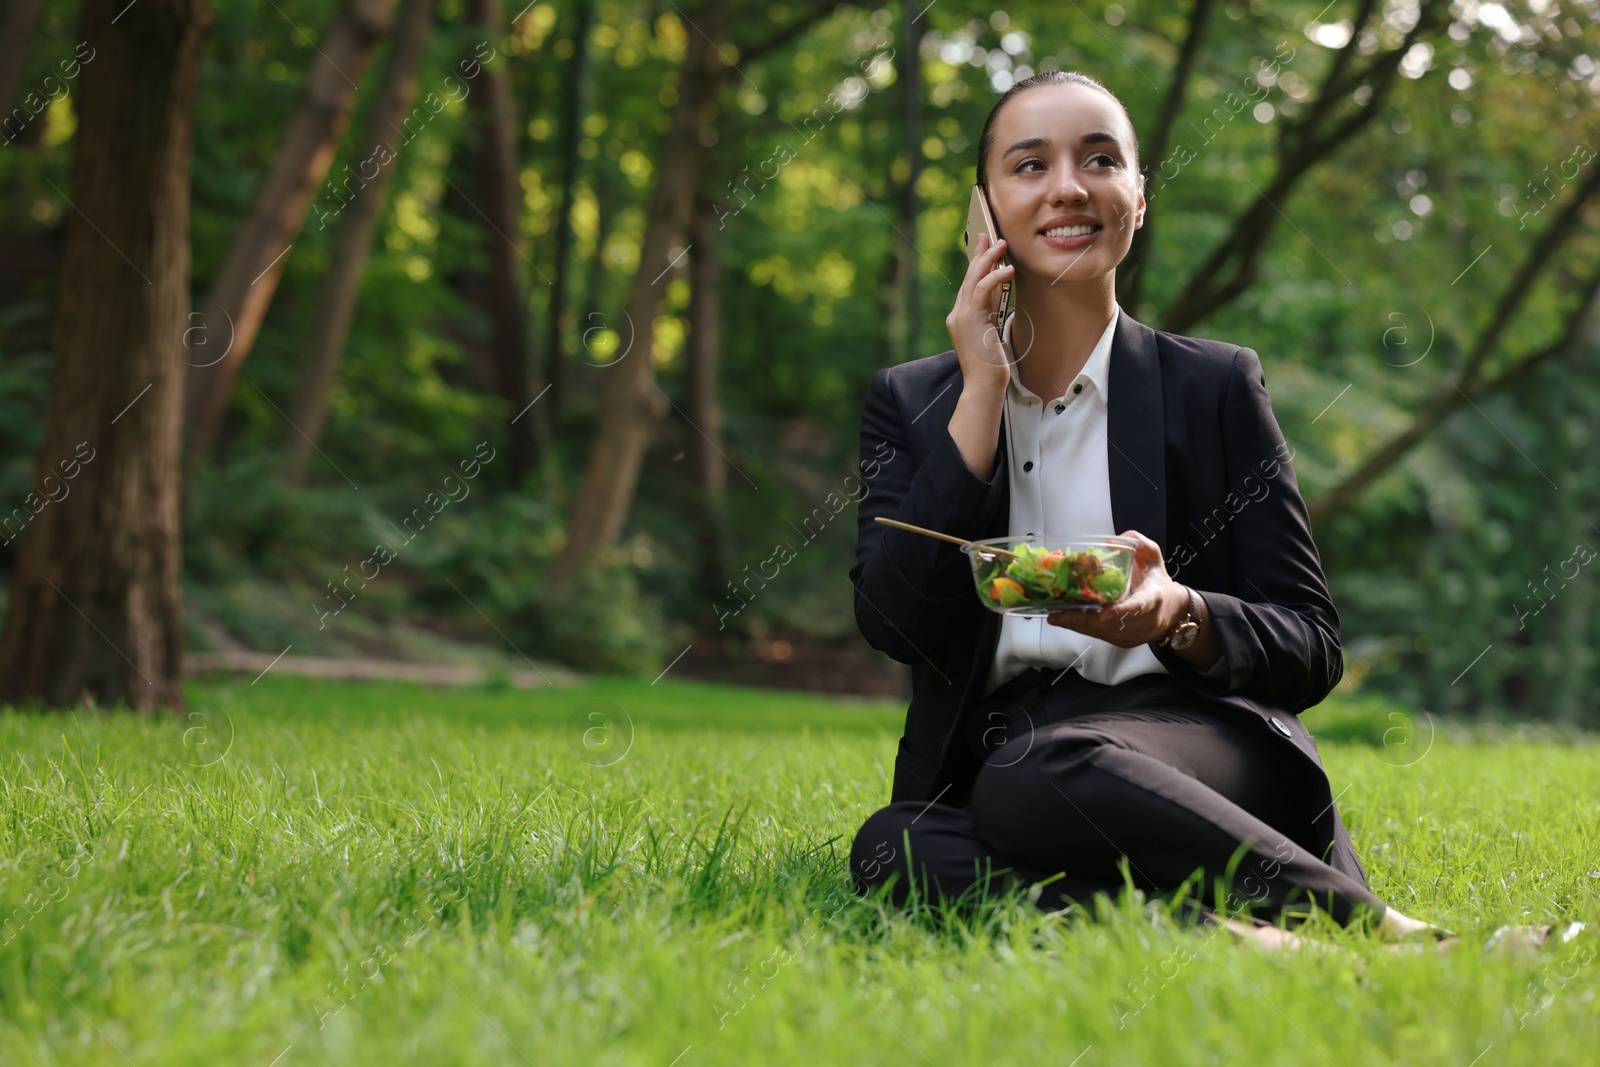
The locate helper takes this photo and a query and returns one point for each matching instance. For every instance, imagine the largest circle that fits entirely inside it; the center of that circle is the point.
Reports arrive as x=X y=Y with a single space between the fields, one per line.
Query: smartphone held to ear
x=979 y=220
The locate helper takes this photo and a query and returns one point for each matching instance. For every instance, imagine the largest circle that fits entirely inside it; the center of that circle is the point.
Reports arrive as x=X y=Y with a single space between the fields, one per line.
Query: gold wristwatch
x=1186 y=629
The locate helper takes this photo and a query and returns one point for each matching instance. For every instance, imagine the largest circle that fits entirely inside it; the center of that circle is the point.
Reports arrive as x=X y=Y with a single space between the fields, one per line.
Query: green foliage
x=396 y=553
x=499 y=560
x=1371 y=720
x=1362 y=308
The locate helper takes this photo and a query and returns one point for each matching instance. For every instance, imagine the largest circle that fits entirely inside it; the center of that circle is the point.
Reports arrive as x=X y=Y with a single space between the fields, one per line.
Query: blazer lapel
x=1136 y=430
x=989 y=626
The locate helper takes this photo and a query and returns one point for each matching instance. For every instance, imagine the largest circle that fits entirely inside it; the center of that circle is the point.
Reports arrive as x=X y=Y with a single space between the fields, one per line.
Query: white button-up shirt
x=1060 y=482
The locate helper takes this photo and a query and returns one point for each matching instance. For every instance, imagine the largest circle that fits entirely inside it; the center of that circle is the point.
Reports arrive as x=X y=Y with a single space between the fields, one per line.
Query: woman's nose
x=1069 y=187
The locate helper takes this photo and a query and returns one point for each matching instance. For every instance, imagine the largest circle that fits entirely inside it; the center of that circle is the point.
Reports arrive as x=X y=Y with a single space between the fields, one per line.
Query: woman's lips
x=1071 y=242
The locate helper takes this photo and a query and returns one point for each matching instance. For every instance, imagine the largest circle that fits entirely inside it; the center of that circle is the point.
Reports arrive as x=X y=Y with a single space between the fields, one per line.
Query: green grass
x=386 y=874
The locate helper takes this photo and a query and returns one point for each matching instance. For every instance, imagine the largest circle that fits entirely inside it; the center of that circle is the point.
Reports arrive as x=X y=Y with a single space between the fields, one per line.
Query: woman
x=1162 y=731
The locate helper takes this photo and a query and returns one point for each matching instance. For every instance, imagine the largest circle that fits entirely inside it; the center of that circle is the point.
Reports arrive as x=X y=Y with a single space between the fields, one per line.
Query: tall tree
x=632 y=403
x=233 y=310
x=95 y=612
x=594 y=289
x=910 y=292
x=352 y=239
x=703 y=404
x=499 y=179
x=16 y=33
x=573 y=108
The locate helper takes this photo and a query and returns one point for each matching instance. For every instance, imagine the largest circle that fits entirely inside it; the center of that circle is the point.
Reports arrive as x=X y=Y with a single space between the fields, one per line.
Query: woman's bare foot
x=1276 y=939
x=1512 y=940
x=1415 y=935
x=1398 y=926
x=1522 y=939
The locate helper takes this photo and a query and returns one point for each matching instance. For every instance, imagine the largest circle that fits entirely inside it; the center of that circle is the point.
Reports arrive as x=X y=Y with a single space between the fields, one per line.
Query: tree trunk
x=231 y=316
x=594 y=296
x=573 y=108
x=501 y=211
x=598 y=310
x=16 y=34
x=889 y=296
x=704 y=408
x=352 y=240
x=631 y=402
x=911 y=108
x=96 y=614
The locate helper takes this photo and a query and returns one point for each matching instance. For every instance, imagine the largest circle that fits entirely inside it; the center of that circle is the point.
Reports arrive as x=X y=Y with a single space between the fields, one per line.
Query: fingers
x=1145 y=544
x=976 y=264
x=972 y=322
x=1139 y=602
x=1123 y=624
x=990 y=282
x=1064 y=619
x=984 y=261
x=983 y=290
x=990 y=250
x=1147 y=557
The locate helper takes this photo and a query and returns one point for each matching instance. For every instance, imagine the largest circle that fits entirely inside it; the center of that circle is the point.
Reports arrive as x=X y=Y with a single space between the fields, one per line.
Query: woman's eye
x=1036 y=160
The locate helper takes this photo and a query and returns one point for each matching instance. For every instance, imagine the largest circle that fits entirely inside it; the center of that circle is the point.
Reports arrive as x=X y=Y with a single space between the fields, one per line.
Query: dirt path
x=258 y=663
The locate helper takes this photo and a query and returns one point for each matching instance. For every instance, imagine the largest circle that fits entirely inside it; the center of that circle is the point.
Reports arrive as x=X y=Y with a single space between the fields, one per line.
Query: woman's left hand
x=1150 y=608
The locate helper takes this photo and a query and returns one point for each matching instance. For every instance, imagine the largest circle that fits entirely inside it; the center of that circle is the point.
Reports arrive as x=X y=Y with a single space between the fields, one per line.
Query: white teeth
x=1070 y=231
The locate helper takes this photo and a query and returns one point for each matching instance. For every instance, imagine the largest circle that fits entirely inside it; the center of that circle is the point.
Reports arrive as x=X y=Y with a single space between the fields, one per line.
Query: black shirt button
x=1060 y=408
x=1028 y=466
x=1078 y=388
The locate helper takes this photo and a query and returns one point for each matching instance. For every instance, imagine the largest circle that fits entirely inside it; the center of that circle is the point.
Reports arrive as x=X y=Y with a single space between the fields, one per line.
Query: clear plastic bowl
x=1053 y=573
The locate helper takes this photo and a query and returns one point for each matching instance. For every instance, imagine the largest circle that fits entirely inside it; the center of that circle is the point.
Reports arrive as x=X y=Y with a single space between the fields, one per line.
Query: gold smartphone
x=979 y=220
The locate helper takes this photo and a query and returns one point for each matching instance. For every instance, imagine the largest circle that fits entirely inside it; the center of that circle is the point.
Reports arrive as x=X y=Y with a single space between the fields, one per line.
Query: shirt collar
x=1097 y=369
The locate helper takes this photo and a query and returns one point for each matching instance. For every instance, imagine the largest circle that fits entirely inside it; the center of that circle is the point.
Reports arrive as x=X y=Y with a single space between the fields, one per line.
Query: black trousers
x=1077 y=777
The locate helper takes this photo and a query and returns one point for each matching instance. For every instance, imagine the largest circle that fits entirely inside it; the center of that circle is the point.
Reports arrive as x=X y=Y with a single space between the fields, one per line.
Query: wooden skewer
x=983 y=549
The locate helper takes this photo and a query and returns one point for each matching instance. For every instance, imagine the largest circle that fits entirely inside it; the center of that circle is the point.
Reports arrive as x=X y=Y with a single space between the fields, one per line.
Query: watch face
x=1185 y=635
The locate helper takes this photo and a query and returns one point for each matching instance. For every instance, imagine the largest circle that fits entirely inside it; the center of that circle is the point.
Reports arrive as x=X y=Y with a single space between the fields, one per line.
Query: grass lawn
x=312 y=872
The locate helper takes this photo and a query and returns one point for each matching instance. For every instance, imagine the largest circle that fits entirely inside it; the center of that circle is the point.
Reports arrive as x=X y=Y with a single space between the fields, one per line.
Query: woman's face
x=1062 y=159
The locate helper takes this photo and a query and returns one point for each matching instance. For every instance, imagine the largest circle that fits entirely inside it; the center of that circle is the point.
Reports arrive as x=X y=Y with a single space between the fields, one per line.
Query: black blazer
x=1197 y=464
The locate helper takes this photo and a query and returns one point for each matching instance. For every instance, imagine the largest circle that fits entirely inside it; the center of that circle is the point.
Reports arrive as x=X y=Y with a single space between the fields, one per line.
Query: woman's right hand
x=974 y=331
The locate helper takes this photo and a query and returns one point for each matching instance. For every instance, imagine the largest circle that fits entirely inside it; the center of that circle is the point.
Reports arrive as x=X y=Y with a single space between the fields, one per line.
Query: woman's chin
x=1064 y=269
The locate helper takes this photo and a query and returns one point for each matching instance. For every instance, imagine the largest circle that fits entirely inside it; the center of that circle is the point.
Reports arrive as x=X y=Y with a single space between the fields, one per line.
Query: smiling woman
x=1161 y=729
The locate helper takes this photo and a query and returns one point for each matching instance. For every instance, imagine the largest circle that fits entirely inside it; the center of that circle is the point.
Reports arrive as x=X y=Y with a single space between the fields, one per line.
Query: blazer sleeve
x=1279 y=630
x=910 y=589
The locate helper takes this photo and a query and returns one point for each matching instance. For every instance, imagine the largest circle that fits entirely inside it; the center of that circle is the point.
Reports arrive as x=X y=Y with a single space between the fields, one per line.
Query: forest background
x=537 y=336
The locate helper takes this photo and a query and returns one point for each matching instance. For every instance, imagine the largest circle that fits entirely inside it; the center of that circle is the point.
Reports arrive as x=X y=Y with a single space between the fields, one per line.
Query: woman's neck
x=1056 y=328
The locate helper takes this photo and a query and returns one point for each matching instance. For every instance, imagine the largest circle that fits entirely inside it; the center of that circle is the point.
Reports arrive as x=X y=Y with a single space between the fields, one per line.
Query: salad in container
x=1039 y=575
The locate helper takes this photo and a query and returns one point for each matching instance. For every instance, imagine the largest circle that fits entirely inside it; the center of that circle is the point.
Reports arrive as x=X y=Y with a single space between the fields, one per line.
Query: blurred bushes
x=1368 y=719
x=498 y=557
x=270 y=559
